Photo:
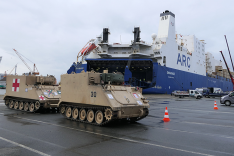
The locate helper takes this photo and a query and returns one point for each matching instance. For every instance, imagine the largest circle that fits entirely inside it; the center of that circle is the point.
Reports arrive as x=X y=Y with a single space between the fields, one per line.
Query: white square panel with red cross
x=42 y=97
x=15 y=85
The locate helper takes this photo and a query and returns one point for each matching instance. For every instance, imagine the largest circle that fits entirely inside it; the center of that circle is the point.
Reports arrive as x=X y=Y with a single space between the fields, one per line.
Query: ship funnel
x=166 y=27
x=136 y=34
x=105 y=35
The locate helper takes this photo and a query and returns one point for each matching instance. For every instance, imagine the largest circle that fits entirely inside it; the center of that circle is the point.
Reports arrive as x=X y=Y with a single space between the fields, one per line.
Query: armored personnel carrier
x=30 y=93
x=98 y=98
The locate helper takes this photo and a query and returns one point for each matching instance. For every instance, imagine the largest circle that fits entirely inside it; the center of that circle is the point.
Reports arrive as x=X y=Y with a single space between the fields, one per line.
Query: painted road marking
x=28 y=148
x=129 y=140
x=182 y=131
x=200 y=123
x=197 y=110
x=7 y=130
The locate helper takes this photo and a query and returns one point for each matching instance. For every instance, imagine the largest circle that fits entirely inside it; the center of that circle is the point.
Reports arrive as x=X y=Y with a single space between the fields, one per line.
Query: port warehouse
x=161 y=79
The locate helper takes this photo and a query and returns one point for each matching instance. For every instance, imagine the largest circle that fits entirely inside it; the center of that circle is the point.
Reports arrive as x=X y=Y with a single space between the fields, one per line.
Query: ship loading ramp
x=141 y=72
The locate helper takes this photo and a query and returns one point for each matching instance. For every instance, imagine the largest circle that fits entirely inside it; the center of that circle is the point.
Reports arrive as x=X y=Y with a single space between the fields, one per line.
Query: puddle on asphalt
x=20 y=121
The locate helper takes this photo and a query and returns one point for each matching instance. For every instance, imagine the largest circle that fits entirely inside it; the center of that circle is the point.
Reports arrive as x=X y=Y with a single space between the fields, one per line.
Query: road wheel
x=75 y=113
x=99 y=117
x=31 y=107
x=21 y=106
x=227 y=103
x=11 y=105
x=82 y=114
x=37 y=105
x=68 y=112
x=108 y=114
x=16 y=105
x=62 y=109
x=7 y=102
x=90 y=116
x=26 y=106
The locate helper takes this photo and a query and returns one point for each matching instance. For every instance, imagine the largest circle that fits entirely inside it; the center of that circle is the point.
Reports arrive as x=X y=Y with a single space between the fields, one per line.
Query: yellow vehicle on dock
x=30 y=93
x=98 y=98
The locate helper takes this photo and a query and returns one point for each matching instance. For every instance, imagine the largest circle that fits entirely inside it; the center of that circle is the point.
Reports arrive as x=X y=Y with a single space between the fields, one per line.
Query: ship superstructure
x=172 y=61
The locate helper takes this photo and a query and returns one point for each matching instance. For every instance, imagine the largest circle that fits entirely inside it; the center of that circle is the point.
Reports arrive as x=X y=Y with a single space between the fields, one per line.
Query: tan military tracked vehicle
x=98 y=98
x=30 y=93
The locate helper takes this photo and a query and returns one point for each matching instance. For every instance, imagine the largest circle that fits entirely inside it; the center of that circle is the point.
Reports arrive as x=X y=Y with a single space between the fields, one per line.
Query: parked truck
x=214 y=92
x=190 y=93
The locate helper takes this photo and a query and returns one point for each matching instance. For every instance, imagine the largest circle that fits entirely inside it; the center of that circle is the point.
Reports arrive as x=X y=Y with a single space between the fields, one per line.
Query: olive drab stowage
x=30 y=93
x=98 y=98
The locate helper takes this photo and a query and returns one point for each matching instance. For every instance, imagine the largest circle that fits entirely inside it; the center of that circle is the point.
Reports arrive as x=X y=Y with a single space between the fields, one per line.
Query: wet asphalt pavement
x=195 y=129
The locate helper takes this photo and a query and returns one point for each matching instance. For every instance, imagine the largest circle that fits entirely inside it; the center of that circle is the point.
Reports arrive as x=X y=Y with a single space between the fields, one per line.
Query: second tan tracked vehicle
x=30 y=93
x=98 y=98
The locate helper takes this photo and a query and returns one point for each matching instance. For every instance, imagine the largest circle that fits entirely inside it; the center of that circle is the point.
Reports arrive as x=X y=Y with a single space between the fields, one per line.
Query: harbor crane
x=34 y=66
x=13 y=69
x=229 y=51
x=228 y=69
x=232 y=79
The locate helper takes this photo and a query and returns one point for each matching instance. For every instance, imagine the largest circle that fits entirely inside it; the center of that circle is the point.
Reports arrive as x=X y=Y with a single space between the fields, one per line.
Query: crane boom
x=229 y=52
x=13 y=69
x=32 y=71
x=22 y=60
x=228 y=69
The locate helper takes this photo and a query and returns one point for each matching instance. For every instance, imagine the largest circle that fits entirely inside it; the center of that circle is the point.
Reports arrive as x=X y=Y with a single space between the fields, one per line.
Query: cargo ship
x=171 y=62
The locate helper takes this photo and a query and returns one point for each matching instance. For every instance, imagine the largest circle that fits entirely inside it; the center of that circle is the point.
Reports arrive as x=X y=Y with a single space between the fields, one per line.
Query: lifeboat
x=87 y=49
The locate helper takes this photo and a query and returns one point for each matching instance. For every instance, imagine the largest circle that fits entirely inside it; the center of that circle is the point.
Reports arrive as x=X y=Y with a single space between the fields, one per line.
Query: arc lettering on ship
x=183 y=60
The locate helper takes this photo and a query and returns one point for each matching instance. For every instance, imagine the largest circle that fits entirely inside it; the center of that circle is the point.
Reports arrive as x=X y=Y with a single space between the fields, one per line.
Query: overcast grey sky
x=52 y=32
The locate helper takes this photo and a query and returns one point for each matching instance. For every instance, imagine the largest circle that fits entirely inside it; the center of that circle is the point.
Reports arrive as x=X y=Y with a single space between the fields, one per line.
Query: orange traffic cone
x=215 y=105
x=166 y=116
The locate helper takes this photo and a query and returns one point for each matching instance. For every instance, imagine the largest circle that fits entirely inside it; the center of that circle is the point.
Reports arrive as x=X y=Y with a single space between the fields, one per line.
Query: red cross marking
x=41 y=97
x=15 y=85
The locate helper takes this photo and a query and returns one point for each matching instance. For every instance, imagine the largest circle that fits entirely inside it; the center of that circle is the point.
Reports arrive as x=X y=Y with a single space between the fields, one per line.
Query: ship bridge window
x=164 y=59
